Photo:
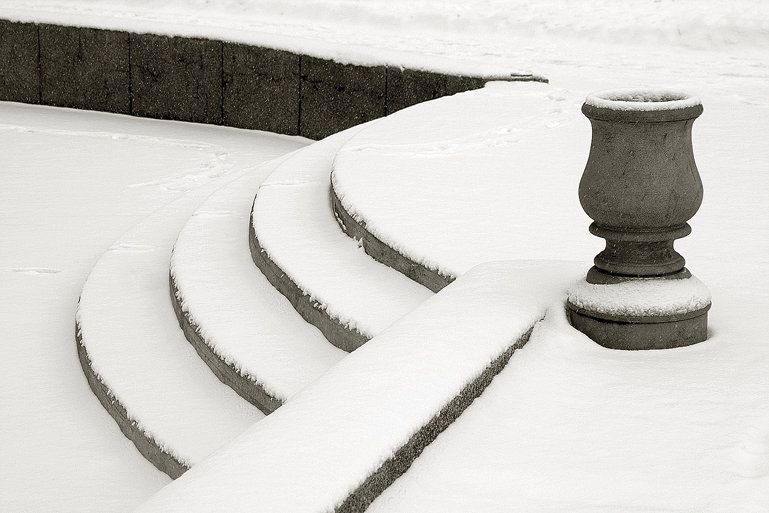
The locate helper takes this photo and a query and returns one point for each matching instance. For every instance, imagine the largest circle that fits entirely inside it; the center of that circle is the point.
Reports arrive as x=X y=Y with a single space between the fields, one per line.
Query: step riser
x=339 y=335
x=246 y=388
x=146 y=445
x=386 y=255
x=396 y=466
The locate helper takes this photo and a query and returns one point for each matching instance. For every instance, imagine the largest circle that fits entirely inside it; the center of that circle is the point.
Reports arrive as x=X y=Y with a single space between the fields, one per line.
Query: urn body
x=641 y=185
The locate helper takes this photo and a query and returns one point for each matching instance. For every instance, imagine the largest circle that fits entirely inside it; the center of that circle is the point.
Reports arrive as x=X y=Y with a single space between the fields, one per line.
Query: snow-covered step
x=341 y=441
x=245 y=330
x=299 y=246
x=440 y=187
x=136 y=359
x=579 y=427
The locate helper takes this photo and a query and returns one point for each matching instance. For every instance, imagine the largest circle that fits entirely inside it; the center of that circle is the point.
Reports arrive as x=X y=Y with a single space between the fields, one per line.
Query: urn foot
x=637 y=313
x=647 y=333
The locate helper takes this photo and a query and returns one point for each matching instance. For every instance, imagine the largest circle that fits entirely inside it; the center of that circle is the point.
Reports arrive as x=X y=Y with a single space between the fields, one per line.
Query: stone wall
x=207 y=81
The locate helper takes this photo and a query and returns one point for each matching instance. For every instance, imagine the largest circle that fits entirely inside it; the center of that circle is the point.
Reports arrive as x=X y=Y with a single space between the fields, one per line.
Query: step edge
x=429 y=277
x=246 y=385
x=311 y=311
x=145 y=443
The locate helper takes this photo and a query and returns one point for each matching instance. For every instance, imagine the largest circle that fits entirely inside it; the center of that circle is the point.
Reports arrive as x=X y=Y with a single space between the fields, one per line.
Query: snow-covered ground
x=475 y=35
x=569 y=426
x=502 y=182
x=72 y=184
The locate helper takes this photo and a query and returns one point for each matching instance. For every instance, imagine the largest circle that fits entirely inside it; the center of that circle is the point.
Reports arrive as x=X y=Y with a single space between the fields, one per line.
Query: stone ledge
x=176 y=78
x=208 y=81
x=260 y=88
x=338 y=96
x=407 y=87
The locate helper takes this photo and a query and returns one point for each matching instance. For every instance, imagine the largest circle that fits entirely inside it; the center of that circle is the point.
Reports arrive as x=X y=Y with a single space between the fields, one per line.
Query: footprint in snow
x=131 y=247
x=213 y=213
x=752 y=455
x=35 y=270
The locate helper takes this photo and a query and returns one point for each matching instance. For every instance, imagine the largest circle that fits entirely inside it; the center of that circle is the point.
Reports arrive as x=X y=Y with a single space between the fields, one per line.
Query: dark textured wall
x=206 y=81
x=407 y=87
x=84 y=68
x=337 y=96
x=260 y=88
x=19 y=80
x=176 y=78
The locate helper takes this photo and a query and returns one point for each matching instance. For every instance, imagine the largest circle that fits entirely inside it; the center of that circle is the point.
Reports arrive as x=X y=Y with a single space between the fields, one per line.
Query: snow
x=579 y=428
x=296 y=227
x=571 y=426
x=240 y=316
x=641 y=297
x=642 y=99
x=129 y=330
x=73 y=182
x=482 y=165
x=486 y=36
x=526 y=146
x=311 y=452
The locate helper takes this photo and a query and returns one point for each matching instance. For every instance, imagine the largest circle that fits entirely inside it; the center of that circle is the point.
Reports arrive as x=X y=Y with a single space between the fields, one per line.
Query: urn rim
x=642 y=105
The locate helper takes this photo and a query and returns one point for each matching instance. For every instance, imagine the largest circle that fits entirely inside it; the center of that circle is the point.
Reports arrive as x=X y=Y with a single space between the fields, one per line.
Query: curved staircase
x=443 y=186
x=245 y=331
x=274 y=327
x=296 y=242
x=259 y=290
x=136 y=359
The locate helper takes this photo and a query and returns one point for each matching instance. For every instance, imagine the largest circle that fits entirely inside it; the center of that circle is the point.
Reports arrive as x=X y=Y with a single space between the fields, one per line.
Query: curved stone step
x=136 y=360
x=245 y=330
x=341 y=441
x=296 y=242
x=432 y=197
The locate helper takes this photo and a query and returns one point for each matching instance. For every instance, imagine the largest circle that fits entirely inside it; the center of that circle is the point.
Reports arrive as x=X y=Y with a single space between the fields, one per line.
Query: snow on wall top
x=466 y=37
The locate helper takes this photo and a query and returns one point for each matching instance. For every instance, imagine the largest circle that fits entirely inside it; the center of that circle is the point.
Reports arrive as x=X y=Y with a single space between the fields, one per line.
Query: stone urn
x=640 y=186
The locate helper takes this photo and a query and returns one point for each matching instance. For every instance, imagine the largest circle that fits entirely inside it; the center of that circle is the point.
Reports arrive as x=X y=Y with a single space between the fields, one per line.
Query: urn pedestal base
x=640 y=313
x=641 y=333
